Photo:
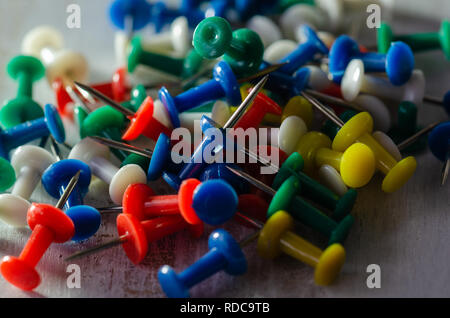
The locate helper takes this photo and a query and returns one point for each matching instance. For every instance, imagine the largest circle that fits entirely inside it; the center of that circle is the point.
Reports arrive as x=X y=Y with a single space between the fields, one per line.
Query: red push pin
x=49 y=225
x=262 y=105
x=135 y=236
x=143 y=122
x=118 y=89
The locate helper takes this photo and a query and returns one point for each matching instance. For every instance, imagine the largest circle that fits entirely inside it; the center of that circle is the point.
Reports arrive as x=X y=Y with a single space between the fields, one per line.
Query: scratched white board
x=406 y=233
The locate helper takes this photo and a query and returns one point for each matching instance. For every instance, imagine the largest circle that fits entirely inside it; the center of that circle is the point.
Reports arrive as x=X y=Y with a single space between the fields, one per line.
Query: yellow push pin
x=358 y=129
x=276 y=237
x=356 y=164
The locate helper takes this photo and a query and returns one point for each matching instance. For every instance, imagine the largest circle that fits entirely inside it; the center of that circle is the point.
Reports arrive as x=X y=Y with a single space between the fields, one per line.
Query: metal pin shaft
x=105 y=99
x=73 y=182
x=120 y=240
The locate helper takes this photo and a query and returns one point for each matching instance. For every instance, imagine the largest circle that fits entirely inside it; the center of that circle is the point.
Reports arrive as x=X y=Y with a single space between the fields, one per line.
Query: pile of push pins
x=281 y=71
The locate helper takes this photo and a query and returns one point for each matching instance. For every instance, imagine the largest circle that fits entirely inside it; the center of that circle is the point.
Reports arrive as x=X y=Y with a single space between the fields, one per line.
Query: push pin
x=276 y=237
x=46 y=43
x=223 y=84
x=49 y=225
x=398 y=62
x=267 y=30
x=26 y=70
x=224 y=254
x=212 y=201
x=130 y=15
x=196 y=162
x=305 y=52
x=143 y=121
x=242 y=49
x=29 y=162
x=358 y=129
x=285 y=199
x=96 y=158
x=356 y=164
x=55 y=180
x=135 y=236
x=355 y=81
x=162 y=15
x=314 y=190
x=18 y=135
x=294 y=17
x=419 y=41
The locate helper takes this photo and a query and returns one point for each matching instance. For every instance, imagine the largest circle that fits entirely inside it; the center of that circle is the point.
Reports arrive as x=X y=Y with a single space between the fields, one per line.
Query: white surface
x=406 y=233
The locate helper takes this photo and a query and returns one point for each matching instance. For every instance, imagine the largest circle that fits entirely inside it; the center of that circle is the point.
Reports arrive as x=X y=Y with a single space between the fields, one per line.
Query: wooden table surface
x=405 y=233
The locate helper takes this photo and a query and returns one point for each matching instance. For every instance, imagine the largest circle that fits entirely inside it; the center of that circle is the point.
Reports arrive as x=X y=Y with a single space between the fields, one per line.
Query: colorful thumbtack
x=241 y=49
x=398 y=62
x=49 y=225
x=97 y=158
x=26 y=70
x=23 y=133
x=29 y=163
x=419 y=41
x=358 y=129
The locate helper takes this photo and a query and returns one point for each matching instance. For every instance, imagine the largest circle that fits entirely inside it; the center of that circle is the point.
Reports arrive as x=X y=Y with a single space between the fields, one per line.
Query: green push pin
x=286 y=199
x=178 y=67
x=417 y=42
x=313 y=190
x=7 y=175
x=106 y=122
x=406 y=127
x=25 y=70
x=242 y=49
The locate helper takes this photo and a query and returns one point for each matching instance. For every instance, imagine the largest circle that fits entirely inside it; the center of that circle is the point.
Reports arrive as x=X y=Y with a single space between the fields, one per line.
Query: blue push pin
x=211 y=130
x=220 y=171
x=162 y=15
x=439 y=143
x=223 y=85
x=130 y=15
x=398 y=63
x=224 y=254
x=19 y=135
x=219 y=210
x=161 y=160
x=55 y=180
x=304 y=53
x=288 y=85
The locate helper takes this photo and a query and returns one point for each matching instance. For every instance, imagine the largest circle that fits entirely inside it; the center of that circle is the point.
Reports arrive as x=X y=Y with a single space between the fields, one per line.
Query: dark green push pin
x=406 y=127
x=137 y=94
x=179 y=67
x=106 y=122
x=313 y=190
x=7 y=175
x=417 y=42
x=286 y=199
x=25 y=70
x=242 y=49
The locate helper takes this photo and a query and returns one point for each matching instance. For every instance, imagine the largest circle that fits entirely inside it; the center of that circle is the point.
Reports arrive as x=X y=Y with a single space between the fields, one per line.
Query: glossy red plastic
x=49 y=225
x=262 y=105
x=144 y=123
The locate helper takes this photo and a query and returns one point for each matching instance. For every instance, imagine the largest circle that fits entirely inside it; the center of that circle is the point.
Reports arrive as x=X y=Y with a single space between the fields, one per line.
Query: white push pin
x=279 y=49
x=267 y=30
x=355 y=81
x=47 y=44
x=29 y=162
x=176 y=41
x=292 y=19
x=96 y=157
